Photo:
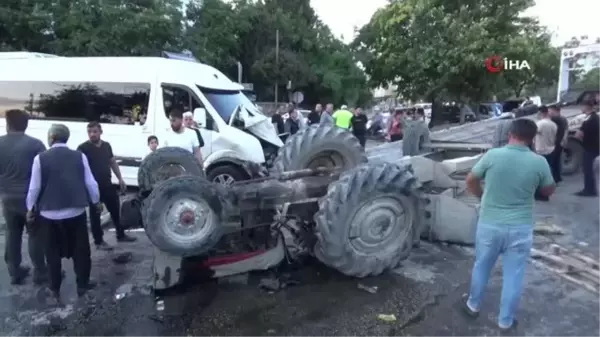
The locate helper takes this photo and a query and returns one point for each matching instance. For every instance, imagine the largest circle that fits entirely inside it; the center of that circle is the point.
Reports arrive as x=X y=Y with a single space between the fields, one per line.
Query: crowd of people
x=409 y=125
x=352 y=119
x=523 y=166
x=184 y=133
x=551 y=138
x=33 y=181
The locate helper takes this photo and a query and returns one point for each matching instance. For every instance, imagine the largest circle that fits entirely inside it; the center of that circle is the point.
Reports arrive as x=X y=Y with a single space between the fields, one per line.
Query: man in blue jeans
x=511 y=174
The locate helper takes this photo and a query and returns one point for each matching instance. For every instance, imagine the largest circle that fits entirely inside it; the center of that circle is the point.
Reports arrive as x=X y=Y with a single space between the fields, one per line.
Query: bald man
x=60 y=188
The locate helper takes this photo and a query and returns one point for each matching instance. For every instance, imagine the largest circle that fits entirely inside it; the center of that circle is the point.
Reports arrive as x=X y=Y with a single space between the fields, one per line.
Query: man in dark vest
x=60 y=189
x=17 y=151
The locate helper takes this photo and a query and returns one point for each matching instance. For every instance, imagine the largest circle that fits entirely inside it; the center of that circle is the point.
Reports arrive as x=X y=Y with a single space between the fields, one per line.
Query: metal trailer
x=324 y=197
x=482 y=132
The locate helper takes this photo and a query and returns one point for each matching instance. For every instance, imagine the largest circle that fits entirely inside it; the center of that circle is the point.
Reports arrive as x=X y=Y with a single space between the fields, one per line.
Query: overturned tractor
x=323 y=198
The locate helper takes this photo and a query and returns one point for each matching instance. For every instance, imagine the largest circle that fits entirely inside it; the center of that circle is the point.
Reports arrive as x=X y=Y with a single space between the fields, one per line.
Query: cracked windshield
x=299 y=168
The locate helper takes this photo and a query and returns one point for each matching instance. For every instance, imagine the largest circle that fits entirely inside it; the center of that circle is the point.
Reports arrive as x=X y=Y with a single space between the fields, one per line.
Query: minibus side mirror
x=200 y=117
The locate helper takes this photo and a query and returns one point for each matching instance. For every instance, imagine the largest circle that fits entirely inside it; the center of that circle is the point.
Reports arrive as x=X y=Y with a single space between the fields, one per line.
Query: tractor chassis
x=287 y=199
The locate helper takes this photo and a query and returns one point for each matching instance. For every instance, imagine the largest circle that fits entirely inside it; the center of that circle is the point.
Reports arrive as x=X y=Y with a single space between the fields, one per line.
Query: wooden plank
x=588 y=286
x=568 y=265
x=557 y=249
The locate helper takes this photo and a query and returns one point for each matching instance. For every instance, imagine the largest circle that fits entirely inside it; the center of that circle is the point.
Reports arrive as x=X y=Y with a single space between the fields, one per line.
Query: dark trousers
x=396 y=137
x=362 y=138
x=14 y=215
x=110 y=198
x=550 y=159
x=67 y=238
x=556 y=165
x=587 y=165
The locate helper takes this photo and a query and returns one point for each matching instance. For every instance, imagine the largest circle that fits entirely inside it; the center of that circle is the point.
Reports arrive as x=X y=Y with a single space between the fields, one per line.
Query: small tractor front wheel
x=164 y=164
x=366 y=223
x=183 y=215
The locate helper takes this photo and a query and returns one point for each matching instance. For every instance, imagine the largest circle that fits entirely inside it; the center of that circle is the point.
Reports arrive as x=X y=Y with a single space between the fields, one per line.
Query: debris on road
x=123 y=291
x=122 y=258
x=269 y=284
x=572 y=266
x=387 y=318
x=372 y=290
x=544 y=228
x=273 y=284
x=160 y=305
x=235 y=279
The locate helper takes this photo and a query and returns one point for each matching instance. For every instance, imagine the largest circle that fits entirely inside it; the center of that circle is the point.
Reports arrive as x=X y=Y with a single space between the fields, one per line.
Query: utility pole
x=276 y=67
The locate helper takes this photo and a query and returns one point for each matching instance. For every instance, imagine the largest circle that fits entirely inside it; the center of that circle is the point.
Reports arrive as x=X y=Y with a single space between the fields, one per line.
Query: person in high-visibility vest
x=342 y=117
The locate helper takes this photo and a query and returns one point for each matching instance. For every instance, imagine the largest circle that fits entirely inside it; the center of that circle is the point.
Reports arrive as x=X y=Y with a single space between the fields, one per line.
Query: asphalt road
x=422 y=295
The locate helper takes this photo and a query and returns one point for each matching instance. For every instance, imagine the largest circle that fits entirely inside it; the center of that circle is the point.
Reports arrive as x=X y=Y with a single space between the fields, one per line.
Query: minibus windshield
x=225 y=102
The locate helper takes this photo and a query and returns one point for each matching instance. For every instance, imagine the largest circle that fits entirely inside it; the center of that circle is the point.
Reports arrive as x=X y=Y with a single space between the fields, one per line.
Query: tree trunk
x=436 y=111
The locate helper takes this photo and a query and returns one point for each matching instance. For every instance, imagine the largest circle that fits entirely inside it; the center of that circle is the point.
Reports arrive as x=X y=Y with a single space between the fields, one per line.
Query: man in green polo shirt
x=342 y=117
x=512 y=175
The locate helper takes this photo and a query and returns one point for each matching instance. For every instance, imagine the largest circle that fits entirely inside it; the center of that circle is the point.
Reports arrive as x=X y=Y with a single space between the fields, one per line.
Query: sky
x=566 y=18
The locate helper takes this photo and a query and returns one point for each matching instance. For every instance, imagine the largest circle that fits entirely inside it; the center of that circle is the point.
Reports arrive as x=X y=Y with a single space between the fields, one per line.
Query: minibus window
x=181 y=98
x=109 y=103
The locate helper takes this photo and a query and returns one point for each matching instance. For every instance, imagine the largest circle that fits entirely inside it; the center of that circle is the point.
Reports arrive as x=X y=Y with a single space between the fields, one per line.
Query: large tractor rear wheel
x=320 y=146
x=367 y=222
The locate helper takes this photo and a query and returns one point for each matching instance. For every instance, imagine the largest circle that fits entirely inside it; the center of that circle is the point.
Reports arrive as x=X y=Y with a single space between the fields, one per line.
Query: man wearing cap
x=589 y=135
x=342 y=117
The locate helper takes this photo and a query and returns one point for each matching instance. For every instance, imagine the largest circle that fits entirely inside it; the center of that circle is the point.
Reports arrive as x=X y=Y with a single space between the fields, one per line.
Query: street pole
x=276 y=67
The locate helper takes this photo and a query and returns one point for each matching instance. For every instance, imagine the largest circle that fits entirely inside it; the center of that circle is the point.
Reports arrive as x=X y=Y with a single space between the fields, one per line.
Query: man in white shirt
x=546 y=135
x=545 y=139
x=182 y=137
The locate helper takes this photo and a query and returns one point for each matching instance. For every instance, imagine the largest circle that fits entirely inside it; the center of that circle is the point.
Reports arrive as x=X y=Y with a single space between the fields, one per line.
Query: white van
x=130 y=97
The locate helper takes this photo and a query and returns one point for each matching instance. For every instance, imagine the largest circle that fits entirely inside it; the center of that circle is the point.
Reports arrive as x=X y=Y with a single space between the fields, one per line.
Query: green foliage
x=220 y=33
x=436 y=50
x=590 y=80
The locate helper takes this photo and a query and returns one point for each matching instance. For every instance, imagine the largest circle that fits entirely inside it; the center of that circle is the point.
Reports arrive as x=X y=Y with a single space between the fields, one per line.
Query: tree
x=590 y=79
x=218 y=32
x=116 y=28
x=435 y=50
x=23 y=25
x=533 y=46
x=211 y=33
x=310 y=57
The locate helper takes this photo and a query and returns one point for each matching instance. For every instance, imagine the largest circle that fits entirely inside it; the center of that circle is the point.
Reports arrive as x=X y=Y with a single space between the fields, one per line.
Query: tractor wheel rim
x=379 y=223
x=187 y=221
